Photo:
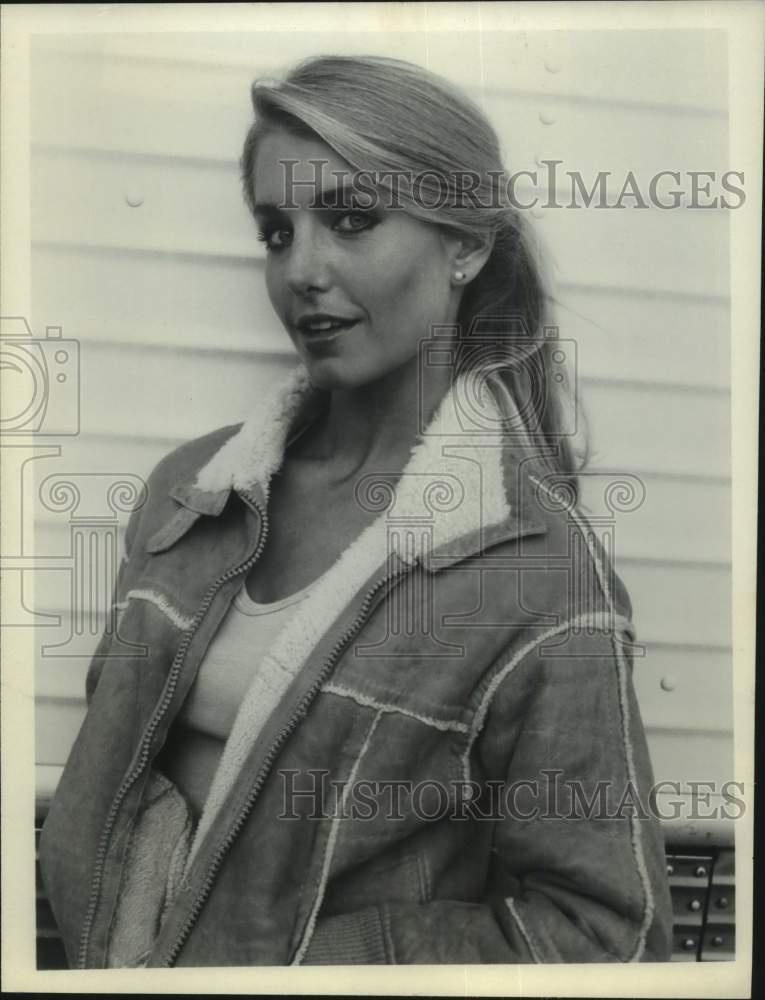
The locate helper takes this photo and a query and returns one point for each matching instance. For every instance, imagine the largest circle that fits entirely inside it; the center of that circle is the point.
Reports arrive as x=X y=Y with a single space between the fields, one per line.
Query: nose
x=307 y=269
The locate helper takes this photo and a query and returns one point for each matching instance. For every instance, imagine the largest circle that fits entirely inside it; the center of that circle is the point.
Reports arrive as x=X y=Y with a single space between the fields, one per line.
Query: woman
x=369 y=633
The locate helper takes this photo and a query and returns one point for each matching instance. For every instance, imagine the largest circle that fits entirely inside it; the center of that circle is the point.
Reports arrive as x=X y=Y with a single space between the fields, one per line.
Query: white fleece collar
x=453 y=484
x=255 y=452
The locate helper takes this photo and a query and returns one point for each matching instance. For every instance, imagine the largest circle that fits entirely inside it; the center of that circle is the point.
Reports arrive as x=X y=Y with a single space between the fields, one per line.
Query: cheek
x=274 y=287
x=415 y=296
x=406 y=276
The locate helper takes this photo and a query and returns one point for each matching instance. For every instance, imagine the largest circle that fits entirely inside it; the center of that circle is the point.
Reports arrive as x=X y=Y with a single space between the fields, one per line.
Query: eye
x=275 y=238
x=355 y=221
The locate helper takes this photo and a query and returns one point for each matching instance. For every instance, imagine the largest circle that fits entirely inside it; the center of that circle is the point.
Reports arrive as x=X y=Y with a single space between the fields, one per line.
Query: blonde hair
x=386 y=116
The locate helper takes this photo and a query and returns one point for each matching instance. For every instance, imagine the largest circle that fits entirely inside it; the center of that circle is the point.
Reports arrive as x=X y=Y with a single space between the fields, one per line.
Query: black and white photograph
x=379 y=496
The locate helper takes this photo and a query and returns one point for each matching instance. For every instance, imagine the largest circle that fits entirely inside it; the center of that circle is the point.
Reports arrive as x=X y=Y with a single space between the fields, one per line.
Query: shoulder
x=572 y=560
x=171 y=474
x=183 y=463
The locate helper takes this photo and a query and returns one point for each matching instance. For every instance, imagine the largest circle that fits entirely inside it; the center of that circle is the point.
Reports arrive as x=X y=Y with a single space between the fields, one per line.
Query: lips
x=323 y=324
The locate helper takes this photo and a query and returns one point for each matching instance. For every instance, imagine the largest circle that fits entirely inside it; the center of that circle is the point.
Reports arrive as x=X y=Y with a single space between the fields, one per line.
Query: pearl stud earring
x=459 y=275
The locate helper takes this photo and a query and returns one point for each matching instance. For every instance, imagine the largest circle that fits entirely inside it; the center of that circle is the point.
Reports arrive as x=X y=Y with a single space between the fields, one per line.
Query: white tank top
x=230 y=666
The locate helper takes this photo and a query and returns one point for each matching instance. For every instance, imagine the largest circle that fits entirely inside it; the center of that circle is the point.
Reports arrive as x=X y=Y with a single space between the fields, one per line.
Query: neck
x=374 y=427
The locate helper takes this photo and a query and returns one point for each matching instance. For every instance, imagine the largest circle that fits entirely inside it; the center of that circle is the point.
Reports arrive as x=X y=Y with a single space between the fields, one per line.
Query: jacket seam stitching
x=423 y=874
x=445 y=725
x=621 y=668
x=525 y=931
x=428 y=874
x=586 y=530
x=636 y=839
x=387 y=934
x=159 y=601
x=608 y=622
x=306 y=876
x=330 y=846
x=594 y=619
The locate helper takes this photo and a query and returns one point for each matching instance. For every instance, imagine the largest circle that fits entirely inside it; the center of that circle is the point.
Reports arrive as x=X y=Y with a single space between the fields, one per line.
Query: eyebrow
x=341 y=196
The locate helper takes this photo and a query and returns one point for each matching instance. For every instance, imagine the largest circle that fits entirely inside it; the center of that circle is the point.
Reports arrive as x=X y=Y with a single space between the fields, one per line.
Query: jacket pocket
x=401 y=879
x=357 y=936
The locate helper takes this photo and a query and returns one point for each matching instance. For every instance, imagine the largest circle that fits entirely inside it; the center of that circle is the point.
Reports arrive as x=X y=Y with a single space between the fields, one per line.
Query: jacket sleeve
x=577 y=870
x=118 y=595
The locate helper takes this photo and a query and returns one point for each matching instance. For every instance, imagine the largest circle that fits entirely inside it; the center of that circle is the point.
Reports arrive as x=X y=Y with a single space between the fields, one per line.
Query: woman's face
x=356 y=289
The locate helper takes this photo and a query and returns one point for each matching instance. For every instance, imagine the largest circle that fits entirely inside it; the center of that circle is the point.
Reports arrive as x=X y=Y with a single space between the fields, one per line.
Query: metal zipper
x=170 y=686
x=299 y=712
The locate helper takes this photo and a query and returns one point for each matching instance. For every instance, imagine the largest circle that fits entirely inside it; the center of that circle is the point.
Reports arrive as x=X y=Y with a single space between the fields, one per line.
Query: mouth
x=323 y=326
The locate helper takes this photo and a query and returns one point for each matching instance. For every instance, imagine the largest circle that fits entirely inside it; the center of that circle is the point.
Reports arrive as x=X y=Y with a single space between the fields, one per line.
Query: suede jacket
x=458 y=772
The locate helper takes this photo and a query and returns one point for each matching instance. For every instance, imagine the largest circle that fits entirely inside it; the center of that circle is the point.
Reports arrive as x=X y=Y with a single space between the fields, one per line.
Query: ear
x=467 y=254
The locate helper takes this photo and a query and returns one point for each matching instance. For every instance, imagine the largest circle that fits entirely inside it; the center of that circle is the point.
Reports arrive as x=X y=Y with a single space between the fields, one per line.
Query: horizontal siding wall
x=177 y=336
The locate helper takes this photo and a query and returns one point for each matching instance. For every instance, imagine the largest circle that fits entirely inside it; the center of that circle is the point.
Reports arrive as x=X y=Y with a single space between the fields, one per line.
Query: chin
x=336 y=372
